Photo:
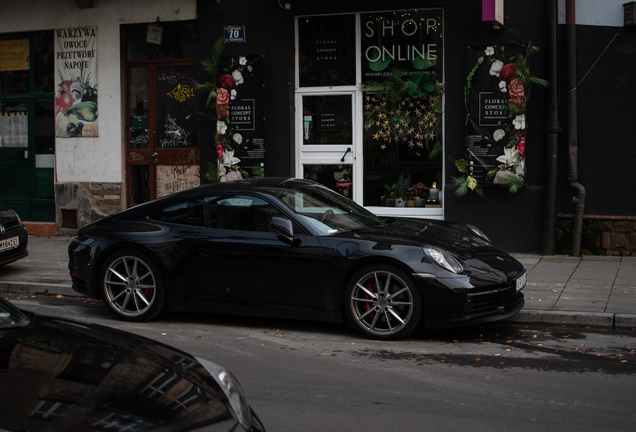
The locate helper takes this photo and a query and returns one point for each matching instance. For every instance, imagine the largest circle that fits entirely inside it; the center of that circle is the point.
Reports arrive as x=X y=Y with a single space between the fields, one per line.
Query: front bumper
x=446 y=307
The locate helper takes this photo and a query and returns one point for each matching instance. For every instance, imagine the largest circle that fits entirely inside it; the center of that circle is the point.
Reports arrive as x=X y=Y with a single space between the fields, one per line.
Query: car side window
x=239 y=212
x=185 y=213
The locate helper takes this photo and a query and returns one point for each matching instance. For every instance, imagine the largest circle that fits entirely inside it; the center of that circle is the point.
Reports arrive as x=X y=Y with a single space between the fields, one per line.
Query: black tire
x=383 y=302
x=132 y=286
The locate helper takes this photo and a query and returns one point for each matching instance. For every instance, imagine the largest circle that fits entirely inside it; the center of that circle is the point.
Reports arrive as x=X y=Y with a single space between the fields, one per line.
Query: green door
x=27 y=124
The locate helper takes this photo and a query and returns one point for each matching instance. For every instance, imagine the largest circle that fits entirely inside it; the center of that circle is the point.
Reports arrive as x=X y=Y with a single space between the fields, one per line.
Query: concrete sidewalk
x=592 y=291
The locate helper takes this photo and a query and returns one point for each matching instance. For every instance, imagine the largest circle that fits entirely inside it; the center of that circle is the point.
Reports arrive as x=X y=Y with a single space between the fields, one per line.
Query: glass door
x=163 y=129
x=328 y=139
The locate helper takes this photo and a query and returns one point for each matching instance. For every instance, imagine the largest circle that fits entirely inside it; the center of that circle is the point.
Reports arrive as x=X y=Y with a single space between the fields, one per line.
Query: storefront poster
x=14 y=55
x=241 y=128
x=496 y=116
x=76 y=77
x=405 y=42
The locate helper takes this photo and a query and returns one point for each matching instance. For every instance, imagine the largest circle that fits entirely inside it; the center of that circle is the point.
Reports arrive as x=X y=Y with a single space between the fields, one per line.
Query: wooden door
x=162 y=156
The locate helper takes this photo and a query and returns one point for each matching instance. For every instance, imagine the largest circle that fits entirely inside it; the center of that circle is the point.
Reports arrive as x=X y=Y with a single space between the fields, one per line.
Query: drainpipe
x=579 y=190
x=552 y=134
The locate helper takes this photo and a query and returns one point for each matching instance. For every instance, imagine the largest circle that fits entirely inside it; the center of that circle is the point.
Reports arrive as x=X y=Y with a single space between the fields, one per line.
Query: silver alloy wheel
x=130 y=286
x=381 y=303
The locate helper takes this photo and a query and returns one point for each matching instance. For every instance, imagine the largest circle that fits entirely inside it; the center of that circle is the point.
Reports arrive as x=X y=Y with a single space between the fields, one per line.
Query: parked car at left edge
x=13 y=236
x=62 y=375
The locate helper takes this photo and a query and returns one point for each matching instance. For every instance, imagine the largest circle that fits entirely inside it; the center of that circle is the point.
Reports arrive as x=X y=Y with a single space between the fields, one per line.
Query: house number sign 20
x=235 y=34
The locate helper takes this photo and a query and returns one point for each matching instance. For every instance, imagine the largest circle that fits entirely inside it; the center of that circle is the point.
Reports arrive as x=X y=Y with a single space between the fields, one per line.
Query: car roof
x=261 y=184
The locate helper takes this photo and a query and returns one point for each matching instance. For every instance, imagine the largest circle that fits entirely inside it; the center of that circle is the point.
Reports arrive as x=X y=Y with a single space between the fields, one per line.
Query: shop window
x=392 y=144
x=327 y=51
x=338 y=178
x=327 y=120
x=43 y=58
x=14 y=124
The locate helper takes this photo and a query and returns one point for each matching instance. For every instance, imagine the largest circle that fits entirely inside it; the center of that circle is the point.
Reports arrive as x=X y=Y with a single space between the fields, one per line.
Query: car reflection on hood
x=58 y=374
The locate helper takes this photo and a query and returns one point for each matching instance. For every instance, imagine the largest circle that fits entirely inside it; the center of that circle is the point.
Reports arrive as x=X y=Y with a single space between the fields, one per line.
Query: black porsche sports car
x=279 y=247
x=13 y=236
x=58 y=374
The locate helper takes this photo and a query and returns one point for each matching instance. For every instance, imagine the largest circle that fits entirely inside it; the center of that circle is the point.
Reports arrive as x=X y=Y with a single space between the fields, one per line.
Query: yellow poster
x=14 y=55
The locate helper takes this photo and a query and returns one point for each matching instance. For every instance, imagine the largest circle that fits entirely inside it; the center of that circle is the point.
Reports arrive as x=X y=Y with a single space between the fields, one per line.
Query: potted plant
x=400 y=190
x=389 y=196
x=420 y=194
x=410 y=197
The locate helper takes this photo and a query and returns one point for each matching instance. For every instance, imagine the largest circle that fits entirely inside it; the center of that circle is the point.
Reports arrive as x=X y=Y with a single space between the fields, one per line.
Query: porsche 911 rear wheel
x=132 y=286
x=383 y=302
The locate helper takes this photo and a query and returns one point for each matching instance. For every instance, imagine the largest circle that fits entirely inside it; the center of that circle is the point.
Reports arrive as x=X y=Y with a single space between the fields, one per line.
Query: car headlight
x=17 y=217
x=443 y=259
x=479 y=232
x=232 y=390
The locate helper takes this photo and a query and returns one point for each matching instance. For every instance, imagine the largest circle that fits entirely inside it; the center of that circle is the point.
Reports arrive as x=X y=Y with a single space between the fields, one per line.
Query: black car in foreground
x=62 y=375
x=293 y=248
x=13 y=236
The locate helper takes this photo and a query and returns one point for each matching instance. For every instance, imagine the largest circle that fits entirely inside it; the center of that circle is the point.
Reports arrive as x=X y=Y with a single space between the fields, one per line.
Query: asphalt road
x=323 y=377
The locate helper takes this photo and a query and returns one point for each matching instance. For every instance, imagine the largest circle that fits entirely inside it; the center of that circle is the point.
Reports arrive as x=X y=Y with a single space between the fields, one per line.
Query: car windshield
x=328 y=212
x=9 y=317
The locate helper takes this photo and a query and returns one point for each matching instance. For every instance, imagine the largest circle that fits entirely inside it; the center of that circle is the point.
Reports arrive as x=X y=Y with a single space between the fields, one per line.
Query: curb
x=39 y=288
x=607 y=321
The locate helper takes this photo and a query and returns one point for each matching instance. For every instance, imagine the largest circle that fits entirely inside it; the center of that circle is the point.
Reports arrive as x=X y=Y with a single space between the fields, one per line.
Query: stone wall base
x=80 y=203
x=600 y=237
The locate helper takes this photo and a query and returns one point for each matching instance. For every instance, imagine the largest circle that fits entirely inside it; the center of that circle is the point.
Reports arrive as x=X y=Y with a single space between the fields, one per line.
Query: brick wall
x=89 y=201
x=601 y=236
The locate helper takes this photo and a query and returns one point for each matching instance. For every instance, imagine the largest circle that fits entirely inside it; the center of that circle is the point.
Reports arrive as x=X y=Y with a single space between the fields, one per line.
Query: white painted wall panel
x=94 y=159
x=596 y=12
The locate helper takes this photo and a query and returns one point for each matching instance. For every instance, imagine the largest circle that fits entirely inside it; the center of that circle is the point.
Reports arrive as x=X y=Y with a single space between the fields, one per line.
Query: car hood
x=478 y=255
x=80 y=376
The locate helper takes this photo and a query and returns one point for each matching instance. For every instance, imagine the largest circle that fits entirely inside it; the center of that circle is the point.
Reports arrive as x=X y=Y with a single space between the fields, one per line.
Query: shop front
x=369 y=108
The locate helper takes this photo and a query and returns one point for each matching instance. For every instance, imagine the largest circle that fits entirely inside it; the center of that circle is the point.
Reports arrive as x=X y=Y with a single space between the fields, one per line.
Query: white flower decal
x=490 y=51
x=242 y=61
x=229 y=159
x=221 y=127
x=496 y=67
x=238 y=138
x=520 y=121
x=502 y=86
x=233 y=94
x=238 y=77
x=509 y=156
x=498 y=134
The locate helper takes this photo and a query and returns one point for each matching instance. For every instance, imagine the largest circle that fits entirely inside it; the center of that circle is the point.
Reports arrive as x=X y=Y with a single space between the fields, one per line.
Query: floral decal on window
x=496 y=97
x=222 y=92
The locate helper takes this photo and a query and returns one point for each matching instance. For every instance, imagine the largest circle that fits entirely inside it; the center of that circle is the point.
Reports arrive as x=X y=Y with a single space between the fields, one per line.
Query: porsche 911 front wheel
x=383 y=302
x=132 y=287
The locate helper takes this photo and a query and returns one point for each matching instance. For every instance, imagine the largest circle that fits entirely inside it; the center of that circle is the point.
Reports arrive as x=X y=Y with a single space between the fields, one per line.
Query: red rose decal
x=508 y=72
x=223 y=110
x=226 y=81
x=219 y=152
x=521 y=148
x=516 y=88
x=222 y=96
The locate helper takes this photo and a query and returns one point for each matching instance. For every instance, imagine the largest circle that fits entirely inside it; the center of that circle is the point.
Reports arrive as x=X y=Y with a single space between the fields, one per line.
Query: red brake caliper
x=368 y=306
x=148 y=291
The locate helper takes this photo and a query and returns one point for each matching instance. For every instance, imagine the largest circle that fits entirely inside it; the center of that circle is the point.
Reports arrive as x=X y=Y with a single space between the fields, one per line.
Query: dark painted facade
x=514 y=221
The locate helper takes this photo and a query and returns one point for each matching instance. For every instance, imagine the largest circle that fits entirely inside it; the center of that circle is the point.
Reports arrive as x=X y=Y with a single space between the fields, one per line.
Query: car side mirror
x=282 y=226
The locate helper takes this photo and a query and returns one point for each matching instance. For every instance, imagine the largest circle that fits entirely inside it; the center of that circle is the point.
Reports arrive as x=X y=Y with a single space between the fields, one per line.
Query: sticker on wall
x=76 y=79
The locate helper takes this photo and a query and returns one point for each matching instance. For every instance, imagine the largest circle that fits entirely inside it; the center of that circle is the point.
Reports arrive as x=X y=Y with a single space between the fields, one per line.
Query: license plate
x=9 y=243
x=521 y=282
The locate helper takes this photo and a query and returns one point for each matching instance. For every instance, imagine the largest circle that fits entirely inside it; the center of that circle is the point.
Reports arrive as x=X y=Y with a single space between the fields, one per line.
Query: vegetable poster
x=76 y=78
